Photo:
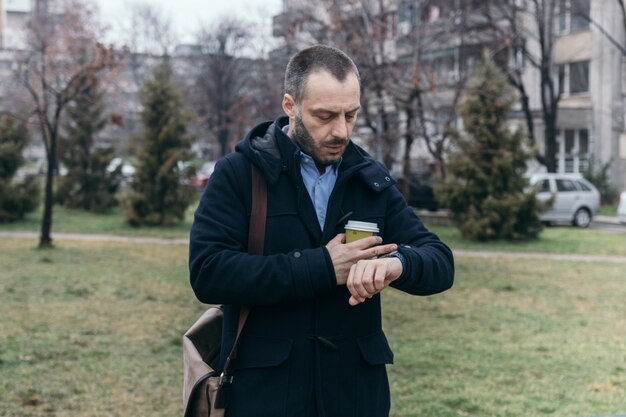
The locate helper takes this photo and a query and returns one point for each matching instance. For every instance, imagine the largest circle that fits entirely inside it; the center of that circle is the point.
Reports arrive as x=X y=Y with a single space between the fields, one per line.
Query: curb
x=99 y=238
x=537 y=255
x=606 y=220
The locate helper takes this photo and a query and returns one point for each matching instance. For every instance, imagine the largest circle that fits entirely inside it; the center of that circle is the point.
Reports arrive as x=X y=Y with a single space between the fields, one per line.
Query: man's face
x=323 y=121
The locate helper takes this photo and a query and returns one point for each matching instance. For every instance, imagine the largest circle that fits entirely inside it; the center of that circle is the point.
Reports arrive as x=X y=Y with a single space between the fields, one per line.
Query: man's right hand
x=344 y=255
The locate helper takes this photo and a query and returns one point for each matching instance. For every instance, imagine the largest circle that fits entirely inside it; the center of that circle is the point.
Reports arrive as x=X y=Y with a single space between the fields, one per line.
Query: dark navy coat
x=304 y=350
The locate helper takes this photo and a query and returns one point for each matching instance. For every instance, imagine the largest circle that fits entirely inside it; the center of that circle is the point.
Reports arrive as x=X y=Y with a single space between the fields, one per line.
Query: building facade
x=588 y=64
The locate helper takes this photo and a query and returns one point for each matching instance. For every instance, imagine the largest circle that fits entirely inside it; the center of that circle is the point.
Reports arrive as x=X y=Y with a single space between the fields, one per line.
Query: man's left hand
x=371 y=276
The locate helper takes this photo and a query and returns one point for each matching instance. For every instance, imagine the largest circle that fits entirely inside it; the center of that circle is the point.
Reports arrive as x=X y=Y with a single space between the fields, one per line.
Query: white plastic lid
x=362 y=226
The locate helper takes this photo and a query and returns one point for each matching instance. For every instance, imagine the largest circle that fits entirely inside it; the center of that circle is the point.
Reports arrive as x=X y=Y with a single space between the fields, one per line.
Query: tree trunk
x=550 y=138
x=441 y=167
x=45 y=240
x=223 y=138
x=406 y=161
x=550 y=105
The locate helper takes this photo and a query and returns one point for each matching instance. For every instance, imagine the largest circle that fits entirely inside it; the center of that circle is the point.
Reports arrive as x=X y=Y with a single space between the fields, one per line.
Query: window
x=561 y=16
x=544 y=186
x=579 y=15
x=583 y=149
x=520 y=55
x=566 y=186
x=569 y=141
x=572 y=16
x=583 y=142
x=572 y=150
x=579 y=77
x=583 y=186
x=573 y=78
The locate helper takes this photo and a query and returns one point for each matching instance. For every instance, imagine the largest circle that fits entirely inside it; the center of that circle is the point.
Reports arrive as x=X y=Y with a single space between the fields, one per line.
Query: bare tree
x=505 y=23
x=543 y=16
x=411 y=94
x=223 y=85
x=148 y=32
x=513 y=35
x=360 y=28
x=429 y=90
x=64 y=58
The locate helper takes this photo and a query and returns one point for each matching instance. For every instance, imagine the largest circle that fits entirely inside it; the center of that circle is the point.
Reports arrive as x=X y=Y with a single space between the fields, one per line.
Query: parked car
x=576 y=200
x=621 y=208
x=202 y=175
x=126 y=169
x=420 y=190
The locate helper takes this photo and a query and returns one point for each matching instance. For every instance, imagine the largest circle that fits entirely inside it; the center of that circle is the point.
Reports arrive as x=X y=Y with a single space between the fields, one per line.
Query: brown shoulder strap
x=256 y=240
x=256 y=235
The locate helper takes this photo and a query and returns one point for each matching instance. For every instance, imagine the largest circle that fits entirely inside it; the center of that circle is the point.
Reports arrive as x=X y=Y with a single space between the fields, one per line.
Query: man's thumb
x=337 y=240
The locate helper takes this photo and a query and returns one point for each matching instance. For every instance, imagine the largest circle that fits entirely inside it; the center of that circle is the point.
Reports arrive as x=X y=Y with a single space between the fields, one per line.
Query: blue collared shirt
x=319 y=186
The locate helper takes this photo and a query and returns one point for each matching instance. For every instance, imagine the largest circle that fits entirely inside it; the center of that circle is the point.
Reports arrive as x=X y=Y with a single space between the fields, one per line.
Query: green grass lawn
x=79 y=221
x=560 y=239
x=93 y=329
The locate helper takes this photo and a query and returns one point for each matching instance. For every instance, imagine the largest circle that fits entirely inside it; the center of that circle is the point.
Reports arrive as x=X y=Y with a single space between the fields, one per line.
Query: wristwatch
x=396 y=254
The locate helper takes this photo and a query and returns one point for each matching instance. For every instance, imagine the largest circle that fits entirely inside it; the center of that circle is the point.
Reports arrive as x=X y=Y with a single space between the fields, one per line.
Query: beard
x=306 y=142
x=302 y=137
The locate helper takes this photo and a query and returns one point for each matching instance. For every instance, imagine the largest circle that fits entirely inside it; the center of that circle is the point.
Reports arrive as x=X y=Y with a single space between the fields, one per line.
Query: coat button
x=297 y=254
x=376 y=184
x=387 y=179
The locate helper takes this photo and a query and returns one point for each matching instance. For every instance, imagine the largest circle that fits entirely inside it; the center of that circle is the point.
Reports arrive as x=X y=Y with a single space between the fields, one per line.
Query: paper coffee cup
x=356 y=230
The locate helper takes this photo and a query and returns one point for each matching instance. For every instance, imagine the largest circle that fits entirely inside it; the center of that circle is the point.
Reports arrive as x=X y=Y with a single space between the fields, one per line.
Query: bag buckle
x=225 y=379
x=223 y=390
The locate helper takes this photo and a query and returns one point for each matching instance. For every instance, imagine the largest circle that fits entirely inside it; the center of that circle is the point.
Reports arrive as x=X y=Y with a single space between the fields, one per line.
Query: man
x=313 y=344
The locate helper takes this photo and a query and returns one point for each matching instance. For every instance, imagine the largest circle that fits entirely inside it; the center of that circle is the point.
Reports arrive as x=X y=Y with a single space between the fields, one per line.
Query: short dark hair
x=314 y=58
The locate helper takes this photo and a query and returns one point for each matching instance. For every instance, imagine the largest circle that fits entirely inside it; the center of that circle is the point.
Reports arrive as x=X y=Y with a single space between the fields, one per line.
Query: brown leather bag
x=205 y=390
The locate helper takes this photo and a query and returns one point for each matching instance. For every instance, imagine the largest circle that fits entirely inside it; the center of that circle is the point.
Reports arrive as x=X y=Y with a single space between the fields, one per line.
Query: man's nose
x=340 y=128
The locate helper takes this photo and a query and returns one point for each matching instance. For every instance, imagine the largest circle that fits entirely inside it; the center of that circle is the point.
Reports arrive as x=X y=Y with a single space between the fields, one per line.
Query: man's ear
x=289 y=106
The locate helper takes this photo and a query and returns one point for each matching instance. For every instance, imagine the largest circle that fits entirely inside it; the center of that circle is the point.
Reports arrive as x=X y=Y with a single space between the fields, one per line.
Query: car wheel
x=582 y=218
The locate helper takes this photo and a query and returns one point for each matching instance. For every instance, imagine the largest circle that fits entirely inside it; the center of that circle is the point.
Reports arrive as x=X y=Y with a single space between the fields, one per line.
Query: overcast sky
x=188 y=15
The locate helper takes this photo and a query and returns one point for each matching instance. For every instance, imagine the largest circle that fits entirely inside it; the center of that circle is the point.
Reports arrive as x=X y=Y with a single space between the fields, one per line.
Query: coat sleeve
x=430 y=264
x=221 y=270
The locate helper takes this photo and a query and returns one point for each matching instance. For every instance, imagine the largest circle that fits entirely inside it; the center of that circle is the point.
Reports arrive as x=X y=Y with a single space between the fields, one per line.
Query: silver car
x=576 y=200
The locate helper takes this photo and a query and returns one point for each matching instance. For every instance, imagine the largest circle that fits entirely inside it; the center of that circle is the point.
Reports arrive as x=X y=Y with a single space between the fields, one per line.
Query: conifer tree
x=88 y=185
x=487 y=192
x=158 y=196
x=16 y=197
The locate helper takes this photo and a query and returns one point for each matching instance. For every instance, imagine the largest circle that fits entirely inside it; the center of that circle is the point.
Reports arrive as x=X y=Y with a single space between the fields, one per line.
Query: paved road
x=458 y=252
x=607 y=224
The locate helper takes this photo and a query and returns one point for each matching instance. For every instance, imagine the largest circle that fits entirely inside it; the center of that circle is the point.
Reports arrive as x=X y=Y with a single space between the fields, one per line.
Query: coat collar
x=267 y=146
